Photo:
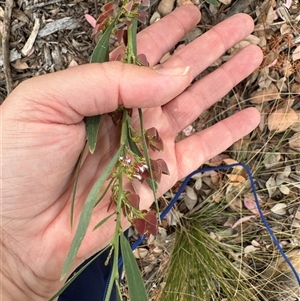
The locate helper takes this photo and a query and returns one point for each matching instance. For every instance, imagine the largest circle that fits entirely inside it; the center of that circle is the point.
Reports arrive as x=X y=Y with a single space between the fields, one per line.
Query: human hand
x=43 y=134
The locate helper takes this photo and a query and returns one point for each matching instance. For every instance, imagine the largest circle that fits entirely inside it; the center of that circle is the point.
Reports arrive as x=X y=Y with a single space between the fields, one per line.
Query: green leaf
x=86 y=213
x=104 y=192
x=151 y=182
x=92 y=125
x=135 y=282
x=134 y=23
x=213 y=2
x=131 y=143
x=78 y=165
x=100 y=55
x=103 y=221
x=101 y=51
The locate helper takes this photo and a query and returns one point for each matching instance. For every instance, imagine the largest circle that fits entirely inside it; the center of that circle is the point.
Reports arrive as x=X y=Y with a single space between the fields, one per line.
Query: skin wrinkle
x=222 y=37
x=47 y=109
x=178 y=123
x=21 y=285
x=156 y=43
x=108 y=106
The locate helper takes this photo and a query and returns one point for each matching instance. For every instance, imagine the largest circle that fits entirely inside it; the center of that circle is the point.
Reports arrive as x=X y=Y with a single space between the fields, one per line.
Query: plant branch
x=5 y=45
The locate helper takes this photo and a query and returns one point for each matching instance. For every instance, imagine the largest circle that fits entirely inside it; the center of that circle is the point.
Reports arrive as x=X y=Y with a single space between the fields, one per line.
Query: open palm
x=44 y=133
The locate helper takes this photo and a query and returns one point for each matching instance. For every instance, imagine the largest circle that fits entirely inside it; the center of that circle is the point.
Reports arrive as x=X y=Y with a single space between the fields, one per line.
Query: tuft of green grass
x=202 y=268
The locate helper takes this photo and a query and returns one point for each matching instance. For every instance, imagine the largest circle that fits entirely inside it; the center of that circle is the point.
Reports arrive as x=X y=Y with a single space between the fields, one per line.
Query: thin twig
x=5 y=45
x=42 y=4
x=96 y=8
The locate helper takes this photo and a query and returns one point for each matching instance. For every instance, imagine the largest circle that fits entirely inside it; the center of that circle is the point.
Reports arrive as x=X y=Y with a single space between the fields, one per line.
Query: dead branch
x=5 y=45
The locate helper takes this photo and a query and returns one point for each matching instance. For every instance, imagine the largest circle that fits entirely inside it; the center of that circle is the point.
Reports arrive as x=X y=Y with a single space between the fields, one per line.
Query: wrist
x=18 y=282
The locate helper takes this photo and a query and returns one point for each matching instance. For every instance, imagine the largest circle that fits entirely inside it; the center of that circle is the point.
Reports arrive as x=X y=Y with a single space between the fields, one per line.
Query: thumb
x=69 y=95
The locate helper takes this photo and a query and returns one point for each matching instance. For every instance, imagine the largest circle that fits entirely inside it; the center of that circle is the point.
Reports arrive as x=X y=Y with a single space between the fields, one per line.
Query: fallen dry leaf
x=73 y=63
x=226 y=2
x=271 y=186
x=140 y=253
x=279 y=265
x=249 y=249
x=282 y=119
x=229 y=161
x=198 y=184
x=295 y=88
x=282 y=176
x=296 y=126
x=267 y=94
x=1 y=30
x=296 y=54
x=271 y=160
x=279 y=209
x=190 y=199
x=243 y=220
x=20 y=65
x=294 y=142
x=284 y=189
x=287 y=69
x=233 y=200
x=253 y=39
x=251 y=205
x=285 y=28
x=235 y=180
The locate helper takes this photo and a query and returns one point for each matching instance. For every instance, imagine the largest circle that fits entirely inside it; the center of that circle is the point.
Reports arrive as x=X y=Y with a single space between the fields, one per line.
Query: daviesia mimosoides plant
x=130 y=163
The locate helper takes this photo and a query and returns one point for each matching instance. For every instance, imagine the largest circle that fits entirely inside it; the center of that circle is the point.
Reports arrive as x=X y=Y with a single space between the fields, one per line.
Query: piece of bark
x=29 y=43
x=13 y=56
x=61 y=24
x=42 y=4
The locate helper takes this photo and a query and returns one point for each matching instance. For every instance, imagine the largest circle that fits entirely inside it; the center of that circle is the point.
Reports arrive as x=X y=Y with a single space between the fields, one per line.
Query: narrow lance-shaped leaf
x=100 y=55
x=75 y=185
x=92 y=125
x=151 y=182
x=135 y=282
x=101 y=51
x=132 y=144
x=134 y=31
x=103 y=221
x=86 y=214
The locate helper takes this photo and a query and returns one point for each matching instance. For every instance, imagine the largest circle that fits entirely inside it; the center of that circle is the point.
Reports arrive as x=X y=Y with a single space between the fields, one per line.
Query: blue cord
x=222 y=167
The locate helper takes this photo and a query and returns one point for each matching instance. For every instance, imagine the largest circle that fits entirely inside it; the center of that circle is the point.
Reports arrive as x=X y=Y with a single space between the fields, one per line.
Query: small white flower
x=138 y=176
x=143 y=168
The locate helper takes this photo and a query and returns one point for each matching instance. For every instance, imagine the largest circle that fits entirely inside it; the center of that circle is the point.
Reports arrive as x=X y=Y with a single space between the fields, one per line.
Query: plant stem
x=118 y=230
x=131 y=50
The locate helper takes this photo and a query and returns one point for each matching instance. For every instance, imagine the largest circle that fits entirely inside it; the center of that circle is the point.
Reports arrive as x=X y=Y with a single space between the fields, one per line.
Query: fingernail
x=174 y=70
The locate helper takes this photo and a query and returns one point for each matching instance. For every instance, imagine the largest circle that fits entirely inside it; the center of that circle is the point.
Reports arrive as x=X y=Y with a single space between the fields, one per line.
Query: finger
x=185 y=108
x=157 y=39
x=195 y=150
x=205 y=50
x=67 y=96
